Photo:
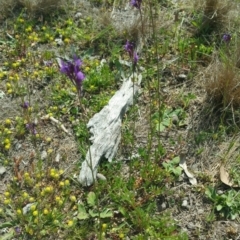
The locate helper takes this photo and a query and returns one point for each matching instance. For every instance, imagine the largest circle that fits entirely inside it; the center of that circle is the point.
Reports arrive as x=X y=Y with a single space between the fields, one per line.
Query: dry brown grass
x=6 y=8
x=215 y=15
x=32 y=6
x=222 y=84
x=41 y=6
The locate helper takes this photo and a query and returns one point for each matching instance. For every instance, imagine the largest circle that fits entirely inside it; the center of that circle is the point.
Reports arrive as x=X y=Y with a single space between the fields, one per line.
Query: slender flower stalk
x=137 y=4
x=129 y=47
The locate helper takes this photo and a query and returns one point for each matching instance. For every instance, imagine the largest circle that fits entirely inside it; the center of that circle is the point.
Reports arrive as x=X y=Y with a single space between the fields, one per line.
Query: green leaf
x=211 y=193
x=177 y=171
x=122 y=210
x=195 y=24
x=166 y=165
x=160 y=127
x=107 y=213
x=6 y=225
x=93 y=214
x=166 y=122
x=82 y=213
x=233 y=216
x=91 y=198
x=229 y=202
x=175 y=160
x=219 y=207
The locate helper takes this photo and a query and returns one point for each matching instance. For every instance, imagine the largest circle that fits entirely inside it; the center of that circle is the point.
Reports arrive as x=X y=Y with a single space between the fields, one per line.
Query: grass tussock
x=40 y=6
x=6 y=8
x=223 y=84
x=215 y=15
x=32 y=6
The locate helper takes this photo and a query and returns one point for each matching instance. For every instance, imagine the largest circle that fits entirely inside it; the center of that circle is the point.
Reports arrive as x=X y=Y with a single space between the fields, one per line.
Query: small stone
x=163 y=206
x=2 y=94
x=18 y=146
x=181 y=77
x=101 y=177
x=78 y=15
x=185 y=203
x=59 y=41
x=191 y=226
x=2 y=170
x=27 y=208
x=57 y=157
x=43 y=155
x=220 y=192
x=200 y=211
x=175 y=119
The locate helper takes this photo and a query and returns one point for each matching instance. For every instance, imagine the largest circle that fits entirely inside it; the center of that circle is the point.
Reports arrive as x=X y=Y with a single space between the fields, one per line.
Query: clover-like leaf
x=219 y=207
x=82 y=213
x=107 y=213
x=91 y=199
x=93 y=213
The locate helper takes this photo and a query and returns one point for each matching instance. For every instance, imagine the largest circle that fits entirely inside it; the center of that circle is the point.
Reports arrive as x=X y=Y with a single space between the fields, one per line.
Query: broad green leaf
x=166 y=122
x=165 y=165
x=106 y=213
x=233 y=216
x=175 y=160
x=91 y=198
x=82 y=213
x=6 y=224
x=211 y=193
x=93 y=214
x=160 y=127
x=177 y=171
x=229 y=202
x=219 y=207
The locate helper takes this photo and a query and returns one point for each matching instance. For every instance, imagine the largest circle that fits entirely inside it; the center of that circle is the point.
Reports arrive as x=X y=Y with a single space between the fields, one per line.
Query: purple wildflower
x=135 y=58
x=31 y=127
x=17 y=230
x=226 y=38
x=72 y=70
x=136 y=3
x=129 y=47
x=25 y=105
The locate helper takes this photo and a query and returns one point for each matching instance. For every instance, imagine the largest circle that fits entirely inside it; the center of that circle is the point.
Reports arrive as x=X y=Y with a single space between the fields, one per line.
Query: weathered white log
x=105 y=128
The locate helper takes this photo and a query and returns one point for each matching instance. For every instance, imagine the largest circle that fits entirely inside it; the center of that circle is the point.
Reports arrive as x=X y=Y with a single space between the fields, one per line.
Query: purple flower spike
x=17 y=230
x=25 y=105
x=129 y=48
x=72 y=70
x=79 y=78
x=226 y=38
x=31 y=127
x=136 y=3
x=135 y=58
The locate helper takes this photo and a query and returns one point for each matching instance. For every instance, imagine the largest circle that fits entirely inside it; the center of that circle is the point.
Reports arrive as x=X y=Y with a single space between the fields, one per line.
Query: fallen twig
x=54 y=120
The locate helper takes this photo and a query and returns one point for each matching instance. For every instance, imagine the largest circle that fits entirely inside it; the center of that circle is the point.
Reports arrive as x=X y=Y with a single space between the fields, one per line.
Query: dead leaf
x=224 y=177
x=190 y=176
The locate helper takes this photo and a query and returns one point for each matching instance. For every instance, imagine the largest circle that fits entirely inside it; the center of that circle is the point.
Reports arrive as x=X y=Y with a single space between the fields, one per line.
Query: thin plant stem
x=96 y=192
x=160 y=105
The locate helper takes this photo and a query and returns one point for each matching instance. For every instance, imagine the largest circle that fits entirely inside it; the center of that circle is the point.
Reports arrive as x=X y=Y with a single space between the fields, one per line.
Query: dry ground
x=192 y=217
